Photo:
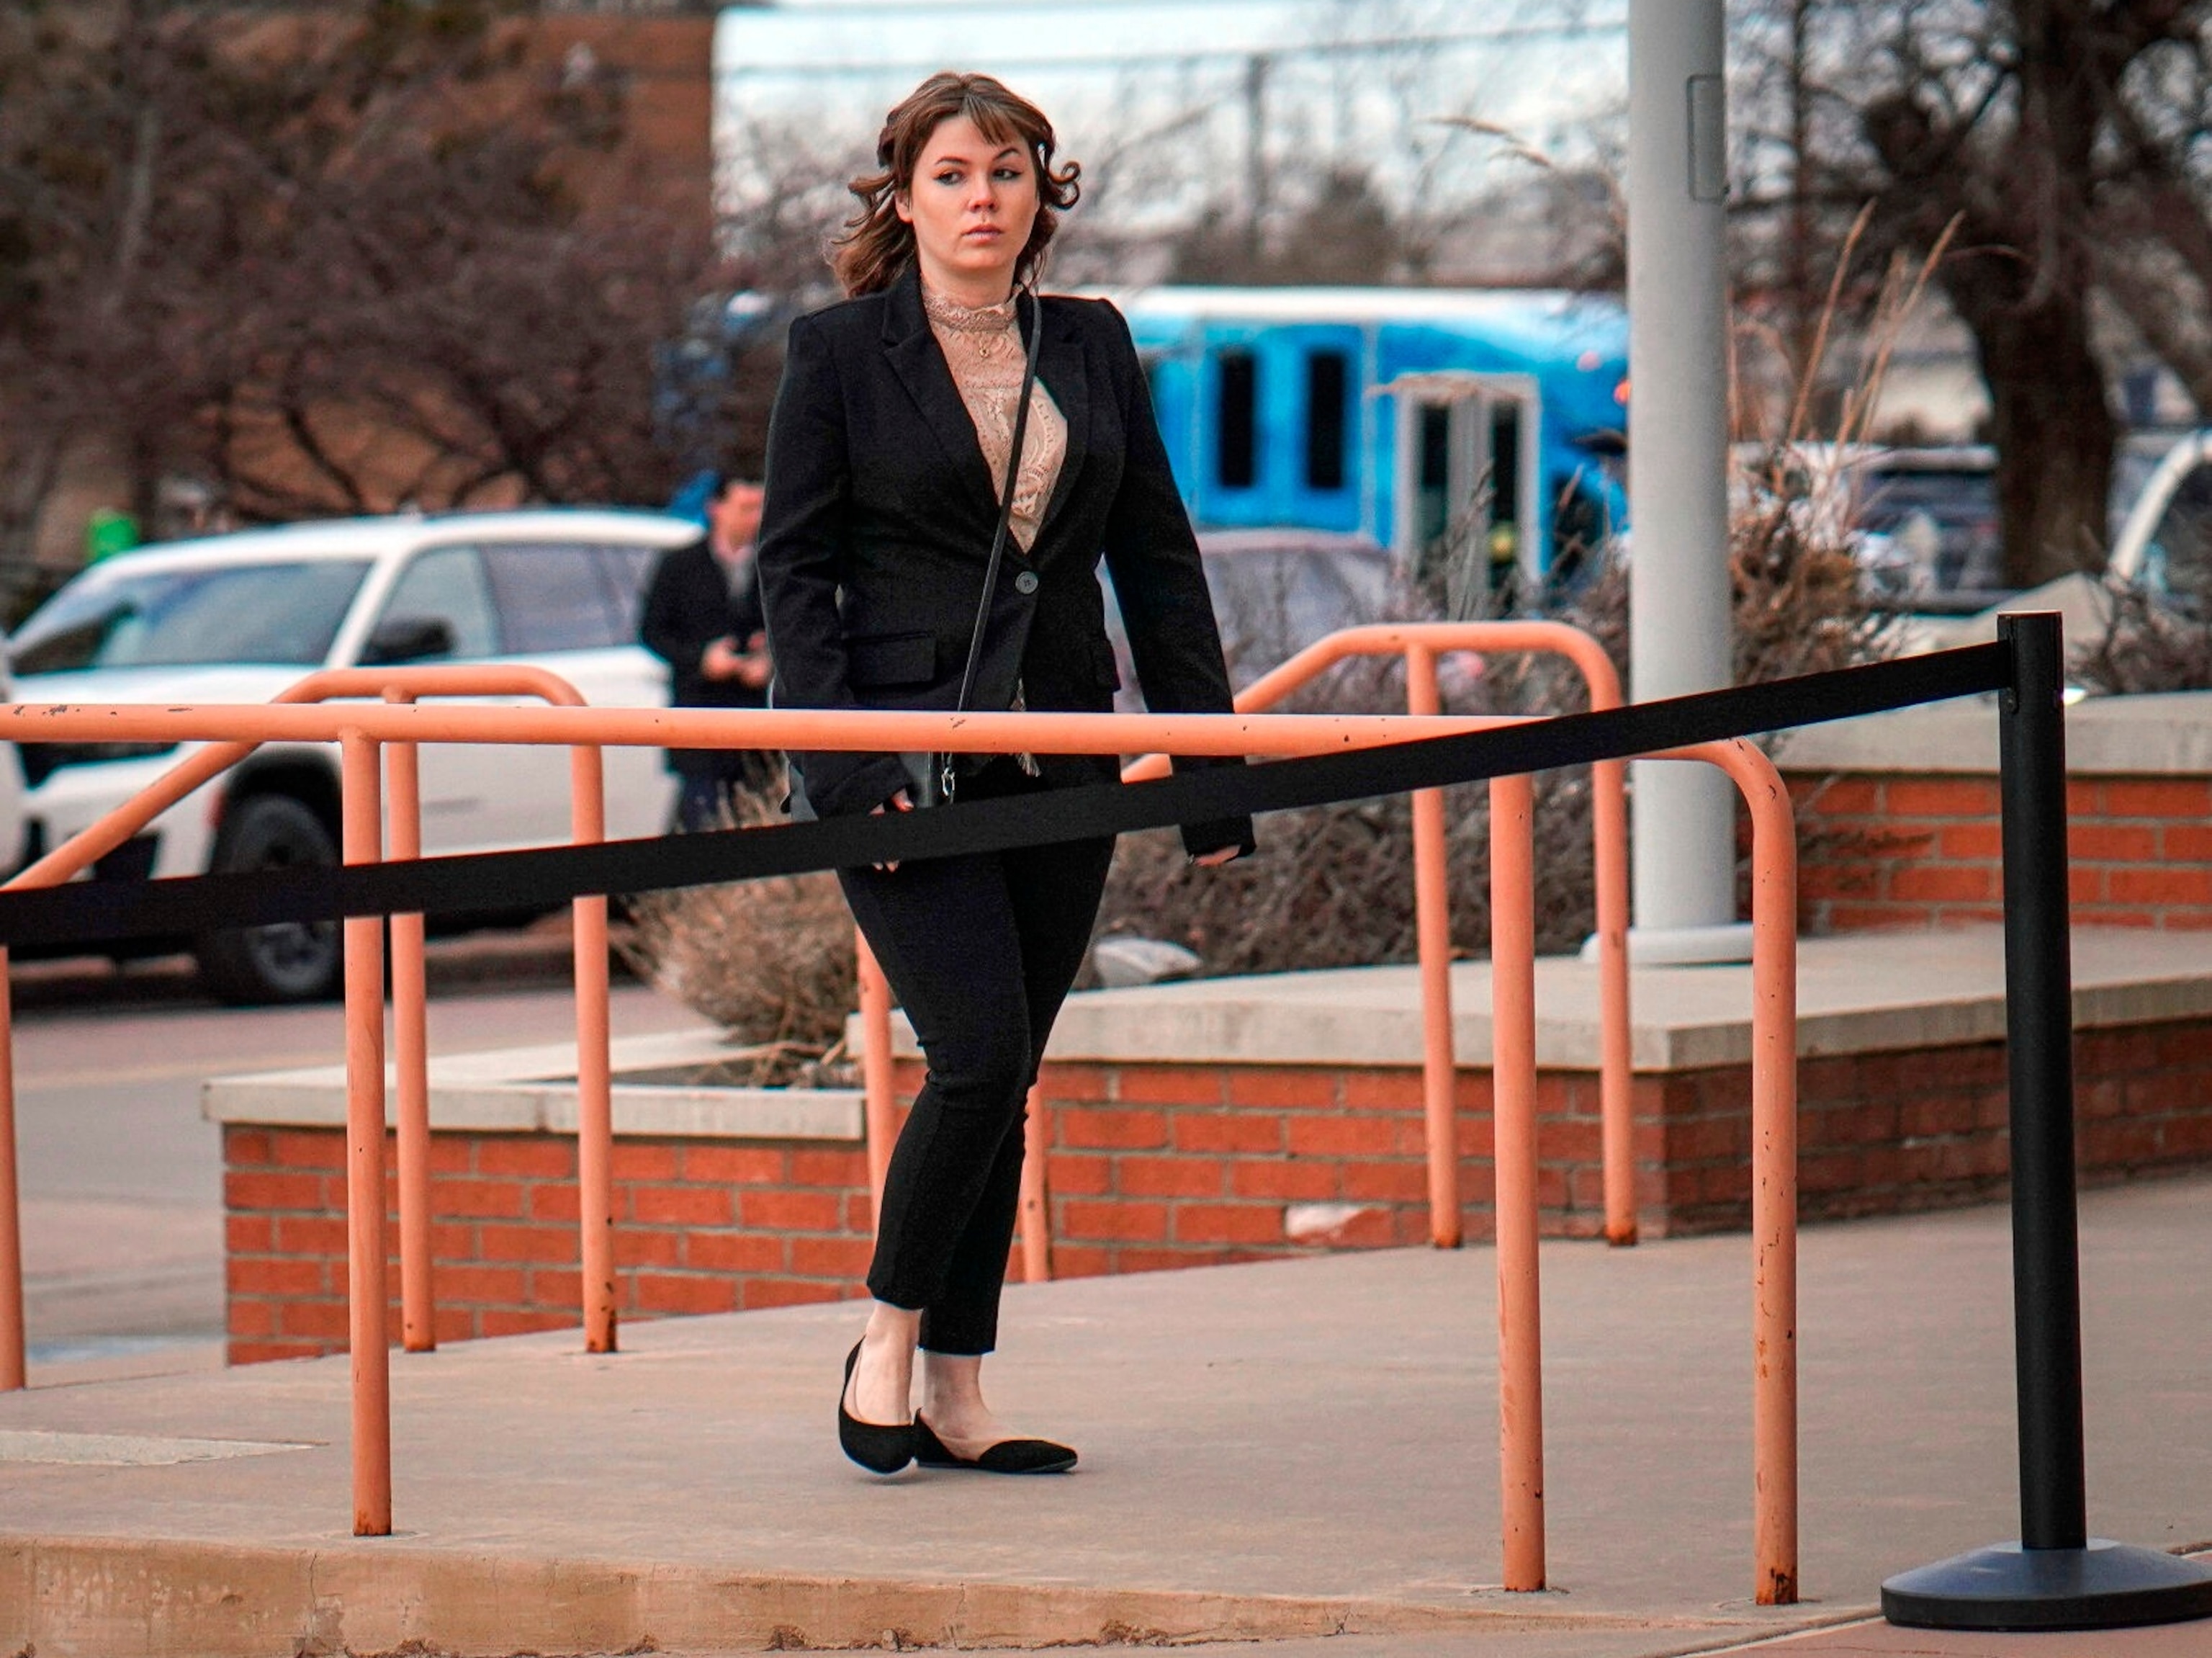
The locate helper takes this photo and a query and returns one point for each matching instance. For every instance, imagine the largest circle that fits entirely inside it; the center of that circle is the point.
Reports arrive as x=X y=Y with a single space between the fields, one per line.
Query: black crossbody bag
x=933 y=777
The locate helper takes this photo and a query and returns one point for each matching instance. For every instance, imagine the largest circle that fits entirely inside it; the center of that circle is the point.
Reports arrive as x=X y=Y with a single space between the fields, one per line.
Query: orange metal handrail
x=1774 y=1172
x=236 y=731
x=361 y=728
x=408 y=997
x=1420 y=643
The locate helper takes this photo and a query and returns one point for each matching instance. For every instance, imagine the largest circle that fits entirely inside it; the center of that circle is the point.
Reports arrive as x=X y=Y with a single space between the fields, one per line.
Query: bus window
x=1329 y=377
x=1236 y=421
x=1434 y=508
x=1504 y=489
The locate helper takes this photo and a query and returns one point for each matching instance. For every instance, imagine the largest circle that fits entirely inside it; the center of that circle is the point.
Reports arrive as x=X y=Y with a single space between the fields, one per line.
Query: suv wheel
x=291 y=961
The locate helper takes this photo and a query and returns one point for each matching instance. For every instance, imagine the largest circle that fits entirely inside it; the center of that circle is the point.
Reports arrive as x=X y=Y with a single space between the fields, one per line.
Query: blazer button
x=1026 y=582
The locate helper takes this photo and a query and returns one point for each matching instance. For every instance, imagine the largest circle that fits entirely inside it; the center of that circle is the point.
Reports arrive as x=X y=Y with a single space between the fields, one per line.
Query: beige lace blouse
x=983 y=347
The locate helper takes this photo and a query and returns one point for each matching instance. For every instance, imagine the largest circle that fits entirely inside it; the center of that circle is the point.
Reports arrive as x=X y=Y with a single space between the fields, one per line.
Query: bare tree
x=2015 y=122
x=330 y=259
x=2153 y=249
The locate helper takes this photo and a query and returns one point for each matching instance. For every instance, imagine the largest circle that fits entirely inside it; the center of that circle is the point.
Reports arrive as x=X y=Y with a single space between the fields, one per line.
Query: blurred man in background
x=702 y=617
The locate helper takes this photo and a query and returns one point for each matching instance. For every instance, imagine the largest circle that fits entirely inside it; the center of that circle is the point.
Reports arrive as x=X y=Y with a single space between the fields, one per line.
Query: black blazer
x=877 y=531
x=688 y=605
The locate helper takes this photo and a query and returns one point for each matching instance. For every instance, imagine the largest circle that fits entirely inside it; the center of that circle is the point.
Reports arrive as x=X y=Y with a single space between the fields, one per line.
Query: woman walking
x=900 y=449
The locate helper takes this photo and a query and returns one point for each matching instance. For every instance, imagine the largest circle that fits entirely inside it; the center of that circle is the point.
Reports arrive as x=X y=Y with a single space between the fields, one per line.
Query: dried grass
x=2152 y=644
x=770 y=960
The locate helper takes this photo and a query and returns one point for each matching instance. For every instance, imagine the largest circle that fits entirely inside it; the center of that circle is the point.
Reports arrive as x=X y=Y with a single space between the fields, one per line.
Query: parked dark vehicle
x=1276 y=591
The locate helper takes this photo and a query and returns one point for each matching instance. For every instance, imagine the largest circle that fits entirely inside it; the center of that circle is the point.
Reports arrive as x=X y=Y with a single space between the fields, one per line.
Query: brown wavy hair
x=877 y=244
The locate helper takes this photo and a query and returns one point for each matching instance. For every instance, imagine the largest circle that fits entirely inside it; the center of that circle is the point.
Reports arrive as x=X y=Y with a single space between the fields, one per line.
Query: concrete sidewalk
x=1282 y=1452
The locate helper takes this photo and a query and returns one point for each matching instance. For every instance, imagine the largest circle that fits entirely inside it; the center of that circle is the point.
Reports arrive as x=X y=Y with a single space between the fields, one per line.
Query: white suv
x=235 y=619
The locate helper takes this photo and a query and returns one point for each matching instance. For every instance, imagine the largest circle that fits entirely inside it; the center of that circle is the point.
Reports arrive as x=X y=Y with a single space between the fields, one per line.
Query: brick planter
x=702 y=1226
x=1157 y=1164
x=1894 y=852
x=1242 y=1119
x=1899 y=822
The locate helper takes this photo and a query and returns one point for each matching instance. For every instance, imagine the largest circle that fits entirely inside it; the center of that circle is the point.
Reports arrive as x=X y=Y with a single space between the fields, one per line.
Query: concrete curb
x=180 y=1599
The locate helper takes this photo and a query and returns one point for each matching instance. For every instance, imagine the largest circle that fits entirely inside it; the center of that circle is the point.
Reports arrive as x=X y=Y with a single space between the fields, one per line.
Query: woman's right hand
x=901 y=801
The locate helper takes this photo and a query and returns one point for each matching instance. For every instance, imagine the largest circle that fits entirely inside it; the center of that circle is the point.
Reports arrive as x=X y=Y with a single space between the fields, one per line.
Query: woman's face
x=971 y=204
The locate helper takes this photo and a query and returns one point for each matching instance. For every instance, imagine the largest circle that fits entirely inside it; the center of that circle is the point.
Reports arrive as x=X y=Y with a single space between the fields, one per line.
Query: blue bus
x=1388 y=413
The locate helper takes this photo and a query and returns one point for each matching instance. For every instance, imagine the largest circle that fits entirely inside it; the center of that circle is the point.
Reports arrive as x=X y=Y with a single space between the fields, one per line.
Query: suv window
x=2181 y=546
x=1948 y=519
x=446 y=584
x=553 y=596
x=629 y=572
x=284 y=614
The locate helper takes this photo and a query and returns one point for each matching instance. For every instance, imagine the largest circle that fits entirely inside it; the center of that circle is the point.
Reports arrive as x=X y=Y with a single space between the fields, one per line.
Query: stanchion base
x=2107 y=1585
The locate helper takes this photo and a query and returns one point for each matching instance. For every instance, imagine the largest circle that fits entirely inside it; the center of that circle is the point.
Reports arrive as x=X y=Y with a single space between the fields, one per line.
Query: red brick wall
x=700 y=1227
x=1921 y=853
x=1154 y=1166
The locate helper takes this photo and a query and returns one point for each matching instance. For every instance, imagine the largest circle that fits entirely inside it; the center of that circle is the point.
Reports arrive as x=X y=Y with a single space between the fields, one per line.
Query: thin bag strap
x=1006 y=508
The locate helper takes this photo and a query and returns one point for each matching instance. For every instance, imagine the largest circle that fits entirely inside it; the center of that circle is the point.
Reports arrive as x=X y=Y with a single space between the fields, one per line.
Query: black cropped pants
x=980 y=951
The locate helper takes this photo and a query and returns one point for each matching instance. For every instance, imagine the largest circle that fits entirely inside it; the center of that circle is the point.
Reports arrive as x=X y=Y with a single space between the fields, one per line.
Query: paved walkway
x=1287 y=1450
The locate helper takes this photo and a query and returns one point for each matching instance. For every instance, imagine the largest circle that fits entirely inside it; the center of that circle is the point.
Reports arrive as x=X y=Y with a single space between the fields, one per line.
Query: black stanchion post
x=2046 y=1274
x=2057 y=1576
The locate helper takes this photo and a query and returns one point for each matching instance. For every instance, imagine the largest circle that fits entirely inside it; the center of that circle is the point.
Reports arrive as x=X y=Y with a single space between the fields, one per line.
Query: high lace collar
x=967 y=318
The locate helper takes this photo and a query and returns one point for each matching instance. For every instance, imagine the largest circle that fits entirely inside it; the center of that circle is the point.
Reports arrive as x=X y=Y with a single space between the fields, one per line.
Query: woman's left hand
x=1216 y=858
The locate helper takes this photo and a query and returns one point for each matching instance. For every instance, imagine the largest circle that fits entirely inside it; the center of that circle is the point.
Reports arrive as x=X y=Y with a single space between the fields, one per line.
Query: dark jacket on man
x=877 y=531
x=689 y=605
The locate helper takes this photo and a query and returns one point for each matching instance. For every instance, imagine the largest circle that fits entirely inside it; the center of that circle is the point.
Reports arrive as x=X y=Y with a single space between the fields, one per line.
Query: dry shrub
x=771 y=960
x=1801 y=603
x=2152 y=644
x=1802 y=597
x=1332 y=885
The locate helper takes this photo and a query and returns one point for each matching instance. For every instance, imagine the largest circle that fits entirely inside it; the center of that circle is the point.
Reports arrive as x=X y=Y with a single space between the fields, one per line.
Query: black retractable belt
x=101 y=913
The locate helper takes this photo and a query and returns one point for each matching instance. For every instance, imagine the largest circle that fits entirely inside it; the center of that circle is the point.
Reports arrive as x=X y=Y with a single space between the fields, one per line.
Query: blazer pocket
x=1104 y=667
x=891 y=659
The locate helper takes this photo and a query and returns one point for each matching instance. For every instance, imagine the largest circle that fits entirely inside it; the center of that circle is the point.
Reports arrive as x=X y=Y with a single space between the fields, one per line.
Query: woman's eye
x=948 y=178
x=1010 y=174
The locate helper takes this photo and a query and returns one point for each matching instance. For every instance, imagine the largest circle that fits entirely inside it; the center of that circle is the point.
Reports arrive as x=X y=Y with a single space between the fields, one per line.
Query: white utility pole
x=1678 y=620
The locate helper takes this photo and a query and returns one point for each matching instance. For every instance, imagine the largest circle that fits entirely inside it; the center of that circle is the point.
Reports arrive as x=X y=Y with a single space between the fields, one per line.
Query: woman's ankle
x=883 y=1380
x=952 y=1388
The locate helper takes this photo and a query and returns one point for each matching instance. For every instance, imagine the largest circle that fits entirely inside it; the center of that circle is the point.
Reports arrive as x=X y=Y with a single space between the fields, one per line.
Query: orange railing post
x=595 y=1128
x=1421 y=643
x=1774 y=1165
x=1773 y=1160
x=410 y=1045
x=1774 y=1172
x=1037 y=1214
x=1513 y=1134
x=878 y=1108
x=366 y=1256
x=1432 y=930
x=1616 y=1080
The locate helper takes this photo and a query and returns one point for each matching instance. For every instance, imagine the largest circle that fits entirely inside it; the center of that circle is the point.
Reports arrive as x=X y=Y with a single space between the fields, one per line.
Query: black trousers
x=980 y=951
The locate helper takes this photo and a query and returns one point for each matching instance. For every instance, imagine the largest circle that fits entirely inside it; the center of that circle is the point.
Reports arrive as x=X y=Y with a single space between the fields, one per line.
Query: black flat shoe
x=879 y=1449
x=1008 y=1456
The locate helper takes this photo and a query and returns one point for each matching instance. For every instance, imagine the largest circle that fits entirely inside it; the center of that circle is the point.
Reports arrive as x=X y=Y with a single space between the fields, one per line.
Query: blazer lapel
x=913 y=353
x=1060 y=368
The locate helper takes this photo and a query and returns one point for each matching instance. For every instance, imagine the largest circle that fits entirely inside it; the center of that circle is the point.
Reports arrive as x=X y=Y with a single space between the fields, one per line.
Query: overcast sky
x=1363 y=81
